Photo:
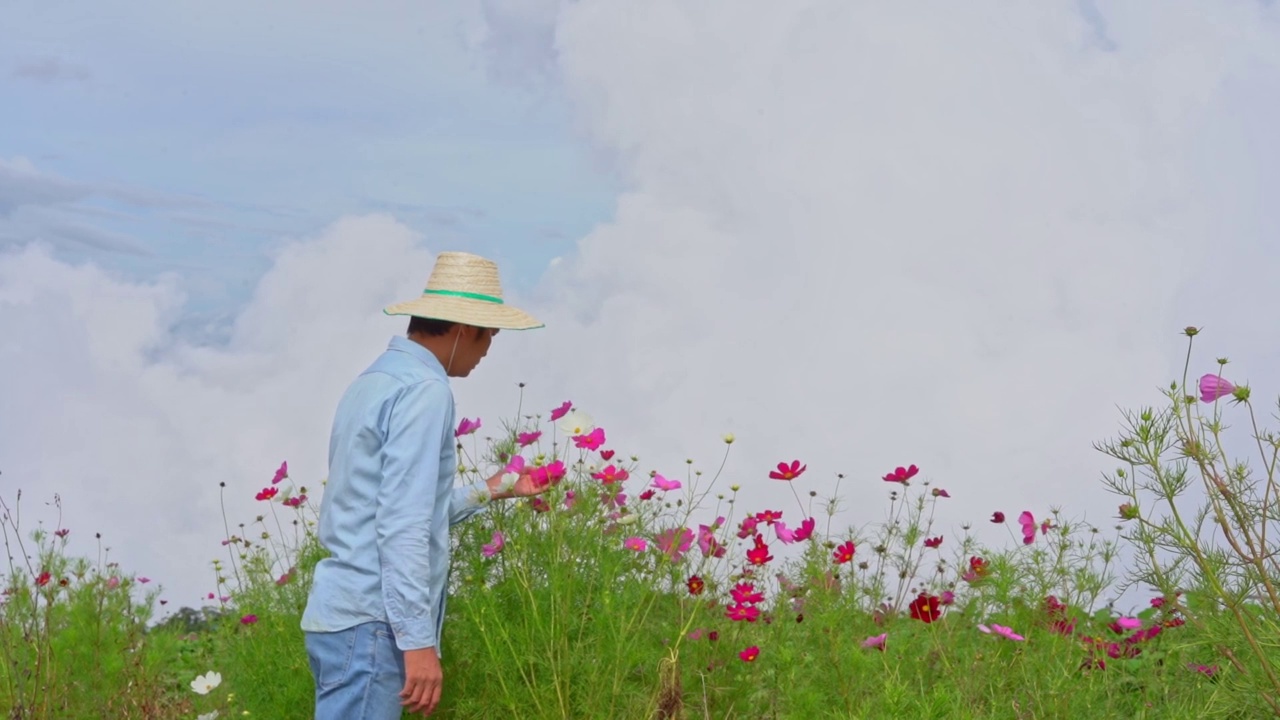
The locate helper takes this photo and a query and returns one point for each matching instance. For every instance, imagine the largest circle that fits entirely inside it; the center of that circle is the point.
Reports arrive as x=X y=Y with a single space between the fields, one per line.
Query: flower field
x=623 y=592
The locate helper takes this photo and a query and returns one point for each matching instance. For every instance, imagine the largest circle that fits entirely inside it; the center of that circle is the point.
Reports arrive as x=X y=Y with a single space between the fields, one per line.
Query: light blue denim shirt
x=389 y=501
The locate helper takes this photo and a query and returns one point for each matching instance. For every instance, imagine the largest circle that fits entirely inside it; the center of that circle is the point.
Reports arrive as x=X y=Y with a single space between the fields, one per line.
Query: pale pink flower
x=1128 y=623
x=876 y=641
x=1001 y=630
x=662 y=483
x=493 y=548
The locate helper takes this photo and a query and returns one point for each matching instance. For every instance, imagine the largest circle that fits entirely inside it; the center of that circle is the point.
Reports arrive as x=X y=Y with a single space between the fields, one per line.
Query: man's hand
x=422 y=679
x=525 y=486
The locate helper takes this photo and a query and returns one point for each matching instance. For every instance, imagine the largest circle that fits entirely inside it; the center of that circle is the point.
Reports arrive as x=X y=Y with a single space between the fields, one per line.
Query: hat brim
x=466 y=311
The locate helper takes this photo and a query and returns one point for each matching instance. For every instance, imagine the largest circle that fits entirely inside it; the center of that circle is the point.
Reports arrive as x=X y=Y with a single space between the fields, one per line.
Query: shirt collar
x=428 y=358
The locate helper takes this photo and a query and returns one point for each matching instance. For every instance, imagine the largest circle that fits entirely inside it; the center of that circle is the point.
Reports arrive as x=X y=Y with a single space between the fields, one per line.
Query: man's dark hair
x=429 y=327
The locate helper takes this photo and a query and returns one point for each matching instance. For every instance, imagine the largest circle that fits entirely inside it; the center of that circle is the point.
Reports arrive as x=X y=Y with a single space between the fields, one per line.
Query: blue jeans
x=359 y=673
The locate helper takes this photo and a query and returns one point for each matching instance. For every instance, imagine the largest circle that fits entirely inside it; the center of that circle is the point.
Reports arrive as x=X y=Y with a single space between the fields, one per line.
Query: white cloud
x=857 y=235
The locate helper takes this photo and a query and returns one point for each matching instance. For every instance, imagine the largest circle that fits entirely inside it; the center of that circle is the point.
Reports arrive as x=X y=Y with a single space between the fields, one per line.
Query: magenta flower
x=569 y=498
x=528 y=438
x=1002 y=631
x=902 y=474
x=561 y=411
x=805 y=531
x=638 y=544
x=1128 y=623
x=933 y=542
x=62 y=533
x=611 y=475
x=785 y=534
x=746 y=594
x=466 y=427
x=748 y=527
x=1213 y=387
x=788 y=471
x=1028 y=522
x=997 y=517
x=662 y=483
x=144 y=580
x=591 y=441
x=939 y=492
x=876 y=641
x=295 y=501
x=282 y=472
x=249 y=619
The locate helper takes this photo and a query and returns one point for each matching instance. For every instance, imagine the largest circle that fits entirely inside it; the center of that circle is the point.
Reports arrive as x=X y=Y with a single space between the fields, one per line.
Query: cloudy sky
x=855 y=234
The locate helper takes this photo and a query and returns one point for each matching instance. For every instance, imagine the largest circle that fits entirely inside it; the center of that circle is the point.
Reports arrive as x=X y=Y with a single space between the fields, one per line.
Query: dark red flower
x=933 y=542
x=696 y=586
x=926 y=608
x=43 y=579
x=997 y=517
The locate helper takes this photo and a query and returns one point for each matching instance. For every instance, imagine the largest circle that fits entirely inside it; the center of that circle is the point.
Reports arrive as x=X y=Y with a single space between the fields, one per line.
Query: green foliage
x=569 y=618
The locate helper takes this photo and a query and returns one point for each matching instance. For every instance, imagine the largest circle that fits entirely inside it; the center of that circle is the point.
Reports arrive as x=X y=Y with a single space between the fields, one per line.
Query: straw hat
x=464 y=288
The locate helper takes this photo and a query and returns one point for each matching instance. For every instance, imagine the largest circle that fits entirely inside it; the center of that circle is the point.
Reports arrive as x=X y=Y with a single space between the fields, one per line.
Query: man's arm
x=406 y=504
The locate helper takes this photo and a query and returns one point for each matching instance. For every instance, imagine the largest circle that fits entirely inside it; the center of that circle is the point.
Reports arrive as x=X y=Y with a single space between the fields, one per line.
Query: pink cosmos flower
x=788 y=471
x=539 y=504
x=526 y=439
x=62 y=533
x=638 y=544
x=844 y=553
x=606 y=455
x=769 y=516
x=144 y=580
x=739 y=612
x=902 y=474
x=591 y=441
x=750 y=654
x=495 y=546
x=1002 y=631
x=933 y=542
x=561 y=411
x=113 y=582
x=1028 y=522
x=876 y=641
x=611 y=475
x=939 y=492
x=948 y=597
x=746 y=594
x=748 y=527
x=675 y=542
x=266 y=494
x=1213 y=387
x=295 y=501
x=707 y=542
x=282 y=472
x=466 y=427
x=662 y=483
x=785 y=534
x=569 y=498
x=248 y=619
x=284 y=579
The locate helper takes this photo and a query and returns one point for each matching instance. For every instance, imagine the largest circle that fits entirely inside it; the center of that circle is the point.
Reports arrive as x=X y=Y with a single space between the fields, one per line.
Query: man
x=376 y=609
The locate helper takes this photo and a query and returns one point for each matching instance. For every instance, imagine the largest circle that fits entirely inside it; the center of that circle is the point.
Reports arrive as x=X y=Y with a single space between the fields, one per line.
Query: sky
x=853 y=234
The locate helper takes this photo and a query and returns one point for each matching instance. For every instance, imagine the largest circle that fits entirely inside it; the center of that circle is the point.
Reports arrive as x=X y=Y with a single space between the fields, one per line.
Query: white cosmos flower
x=203 y=684
x=209 y=716
x=576 y=422
x=507 y=481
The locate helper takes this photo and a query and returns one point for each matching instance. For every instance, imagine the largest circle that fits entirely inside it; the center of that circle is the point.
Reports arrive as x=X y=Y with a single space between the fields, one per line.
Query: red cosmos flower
x=933 y=542
x=844 y=553
x=249 y=619
x=738 y=612
x=611 y=474
x=606 y=455
x=746 y=594
x=788 y=472
x=997 y=517
x=267 y=493
x=926 y=608
x=750 y=654
x=43 y=579
x=759 y=555
x=768 y=516
x=901 y=474
x=647 y=494
x=978 y=569
x=696 y=586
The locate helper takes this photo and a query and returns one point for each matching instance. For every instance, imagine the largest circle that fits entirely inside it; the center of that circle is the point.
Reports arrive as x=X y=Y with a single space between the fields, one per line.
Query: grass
x=601 y=605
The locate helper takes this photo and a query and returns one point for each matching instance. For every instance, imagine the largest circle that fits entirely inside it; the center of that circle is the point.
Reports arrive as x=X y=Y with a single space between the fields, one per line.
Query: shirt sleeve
x=468 y=500
x=406 y=504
